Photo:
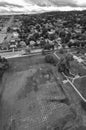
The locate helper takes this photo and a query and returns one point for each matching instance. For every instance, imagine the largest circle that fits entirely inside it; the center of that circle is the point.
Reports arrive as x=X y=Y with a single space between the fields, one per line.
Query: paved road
x=22 y=53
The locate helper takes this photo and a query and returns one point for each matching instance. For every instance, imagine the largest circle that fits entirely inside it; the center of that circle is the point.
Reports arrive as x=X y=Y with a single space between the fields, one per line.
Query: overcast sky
x=59 y=2
x=29 y=5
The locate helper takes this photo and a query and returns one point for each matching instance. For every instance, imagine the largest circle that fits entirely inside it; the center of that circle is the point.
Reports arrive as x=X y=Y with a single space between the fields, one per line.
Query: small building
x=15 y=28
x=12 y=43
x=15 y=34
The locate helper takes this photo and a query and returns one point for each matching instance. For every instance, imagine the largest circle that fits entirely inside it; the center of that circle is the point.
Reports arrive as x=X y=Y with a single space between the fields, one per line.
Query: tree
x=83 y=104
x=48 y=46
x=4 y=65
x=64 y=64
x=51 y=59
x=69 y=57
x=28 y=49
x=8 y=29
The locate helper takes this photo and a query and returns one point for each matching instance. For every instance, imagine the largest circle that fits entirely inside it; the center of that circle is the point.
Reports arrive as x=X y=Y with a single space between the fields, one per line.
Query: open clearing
x=34 y=99
x=32 y=96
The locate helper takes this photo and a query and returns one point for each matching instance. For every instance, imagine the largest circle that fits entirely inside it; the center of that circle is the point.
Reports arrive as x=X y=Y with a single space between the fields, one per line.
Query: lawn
x=77 y=68
x=24 y=63
x=81 y=85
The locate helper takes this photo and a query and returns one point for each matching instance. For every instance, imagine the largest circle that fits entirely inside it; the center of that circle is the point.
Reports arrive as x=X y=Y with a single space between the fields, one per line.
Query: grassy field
x=33 y=98
x=23 y=63
x=81 y=85
x=77 y=68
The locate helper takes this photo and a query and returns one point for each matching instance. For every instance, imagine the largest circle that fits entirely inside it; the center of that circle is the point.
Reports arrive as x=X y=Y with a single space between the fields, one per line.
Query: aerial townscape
x=43 y=71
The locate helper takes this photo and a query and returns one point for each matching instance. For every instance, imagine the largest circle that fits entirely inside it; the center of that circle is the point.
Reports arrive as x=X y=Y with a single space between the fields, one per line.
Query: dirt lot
x=33 y=98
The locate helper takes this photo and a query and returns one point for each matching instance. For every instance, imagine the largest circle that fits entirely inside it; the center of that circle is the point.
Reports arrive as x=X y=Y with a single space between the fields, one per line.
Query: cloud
x=15 y=2
x=12 y=6
x=5 y=4
x=31 y=6
x=81 y=3
x=71 y=3
x=24 y=3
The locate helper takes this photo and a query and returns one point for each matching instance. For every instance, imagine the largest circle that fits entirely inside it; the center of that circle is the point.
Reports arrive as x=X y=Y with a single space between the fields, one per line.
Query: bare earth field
x=33 y=98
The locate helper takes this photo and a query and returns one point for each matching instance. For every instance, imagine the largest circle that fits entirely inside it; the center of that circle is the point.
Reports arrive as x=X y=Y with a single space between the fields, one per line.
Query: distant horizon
x=38 y=12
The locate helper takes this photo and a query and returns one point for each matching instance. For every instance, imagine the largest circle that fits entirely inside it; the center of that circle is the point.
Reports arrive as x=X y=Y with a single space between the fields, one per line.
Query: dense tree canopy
x=64 y=64
x=51 y=59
